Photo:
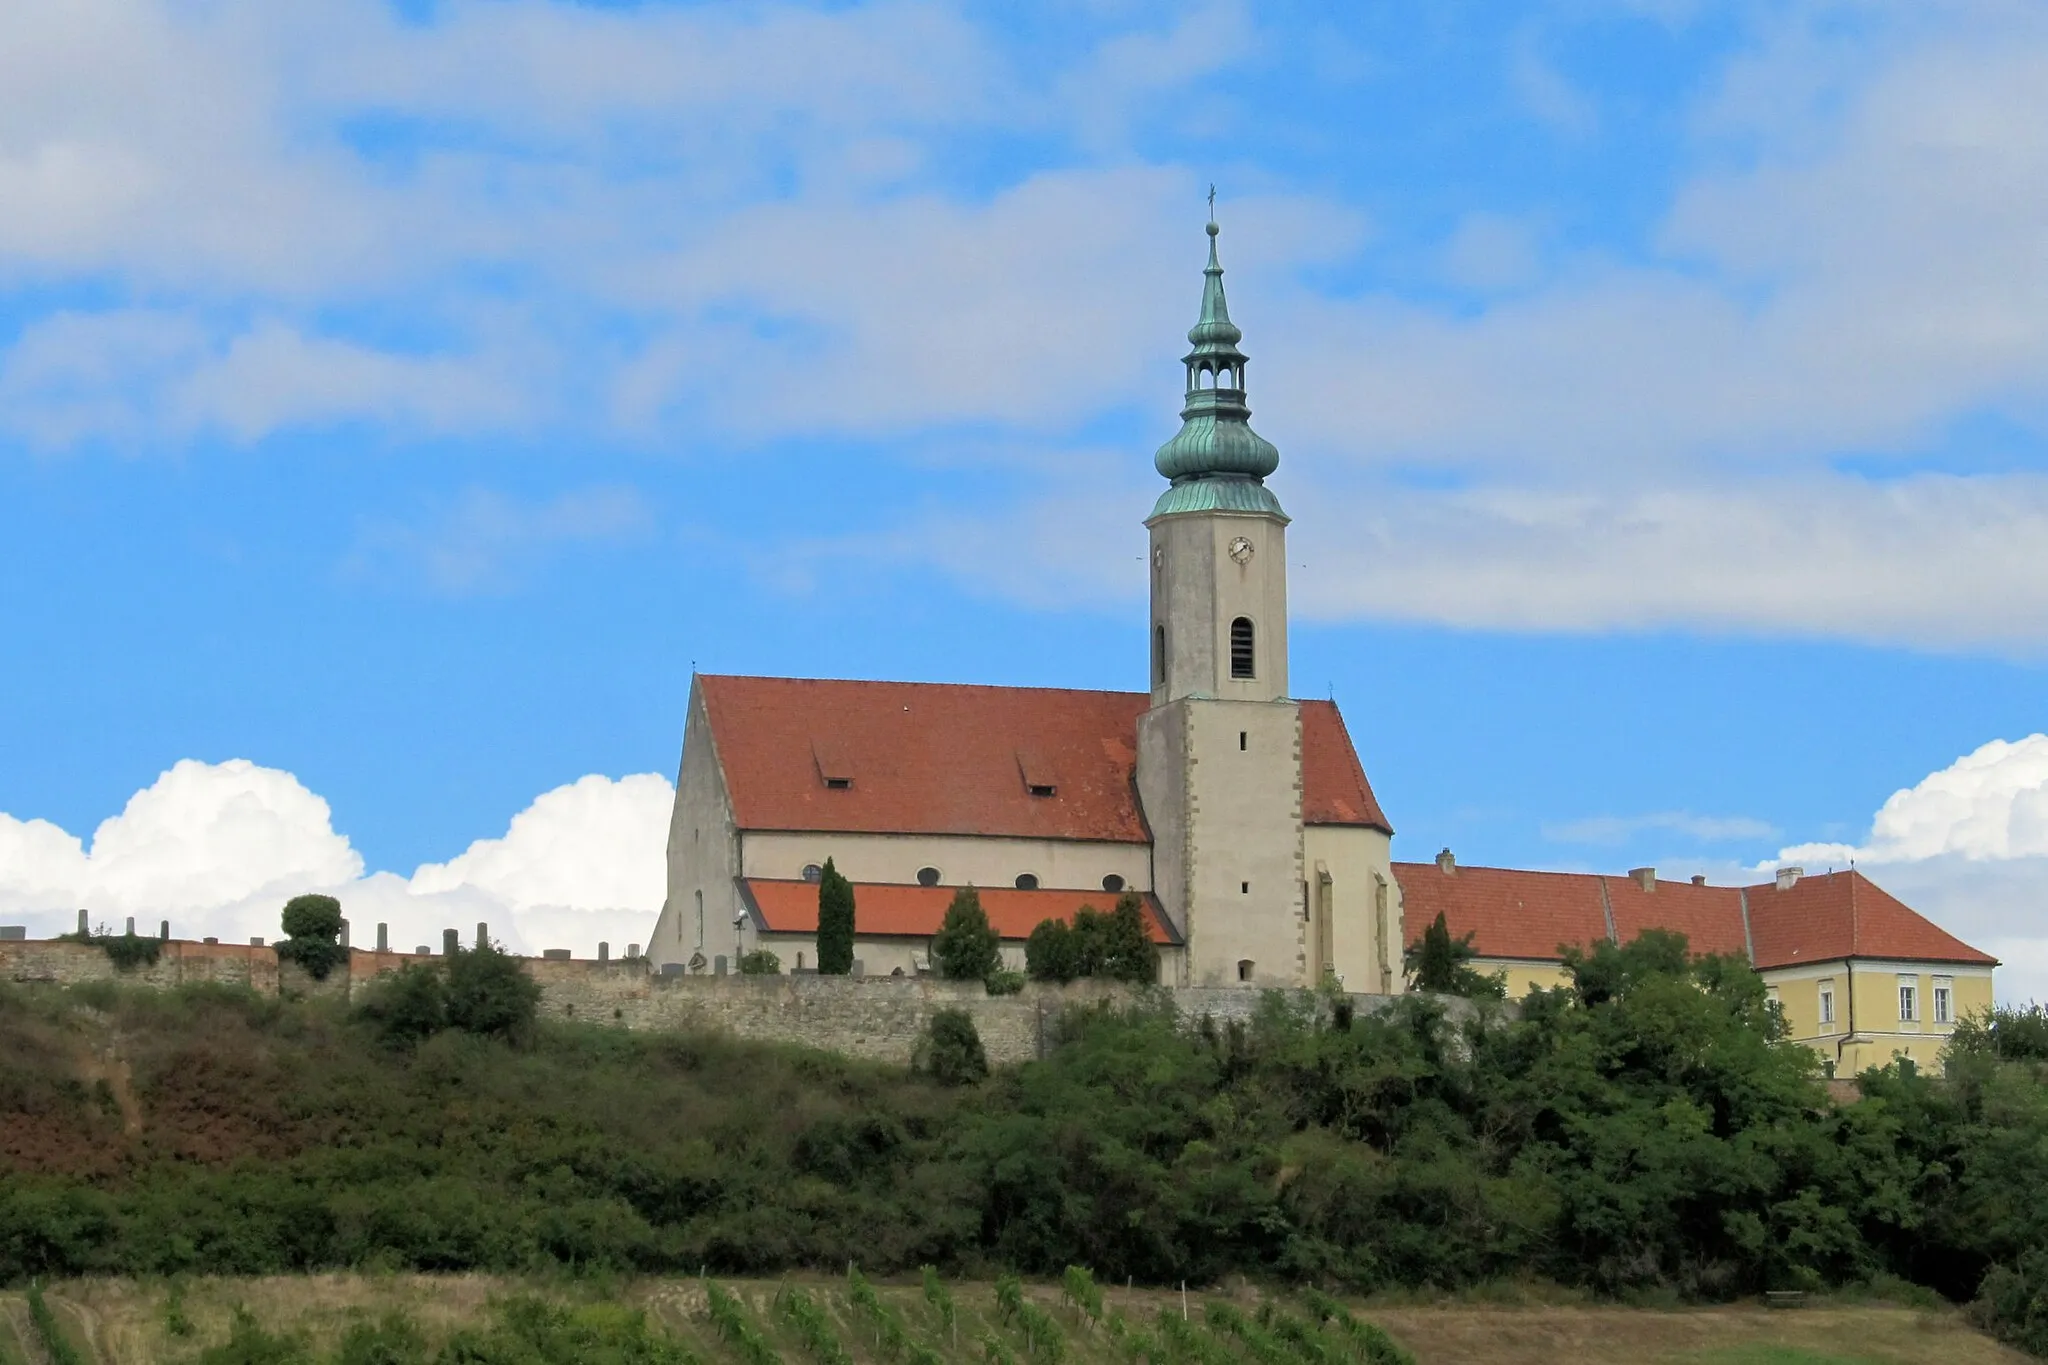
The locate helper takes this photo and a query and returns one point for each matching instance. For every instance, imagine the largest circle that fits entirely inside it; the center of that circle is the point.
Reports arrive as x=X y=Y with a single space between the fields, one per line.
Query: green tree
x=490 y=993
x=951 y=1051
x=1608 y=970
x=312 y=926
x=1127 y=951
x=760 y=962
x=966 y=947
x=1049 y=952
x=835 y=923
x=1442 y=965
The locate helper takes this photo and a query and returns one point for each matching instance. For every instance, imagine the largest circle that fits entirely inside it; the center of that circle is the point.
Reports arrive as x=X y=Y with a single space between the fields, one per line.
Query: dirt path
x=14 y=1312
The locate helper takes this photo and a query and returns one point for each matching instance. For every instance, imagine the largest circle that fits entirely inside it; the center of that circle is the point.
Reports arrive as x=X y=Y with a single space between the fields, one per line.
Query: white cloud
x=483 y=541
x=1968 y=847
x=218 y=848
x=201 y=836
x=140 y=376
x=1619 y=829
x=593 y=844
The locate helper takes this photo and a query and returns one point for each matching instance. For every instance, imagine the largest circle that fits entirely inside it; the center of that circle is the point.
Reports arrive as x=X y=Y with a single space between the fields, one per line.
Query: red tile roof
x=1518 y=914
x=785 y=907
x=1845 y=914
x=1508 y=913
x=941 y=758
x=1710 y=917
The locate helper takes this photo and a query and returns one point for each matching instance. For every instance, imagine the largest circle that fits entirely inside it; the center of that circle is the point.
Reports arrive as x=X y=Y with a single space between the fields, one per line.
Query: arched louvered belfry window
x=1243 y=650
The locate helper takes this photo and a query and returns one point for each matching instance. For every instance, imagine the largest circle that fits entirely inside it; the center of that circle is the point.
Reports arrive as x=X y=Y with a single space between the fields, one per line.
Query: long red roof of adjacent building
x=1845 y=914
x=881 y=908
x=818 y=754
x=1529 y=915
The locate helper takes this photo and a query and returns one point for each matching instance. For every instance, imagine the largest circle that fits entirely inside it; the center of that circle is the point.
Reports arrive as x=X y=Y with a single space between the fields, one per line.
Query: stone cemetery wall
x=876 y=1017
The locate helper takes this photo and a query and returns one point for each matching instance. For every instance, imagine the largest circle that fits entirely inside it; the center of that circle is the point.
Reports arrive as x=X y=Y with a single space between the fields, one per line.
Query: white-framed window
x=1909 y=999
x=1827 y=1004
x=1944 y=1000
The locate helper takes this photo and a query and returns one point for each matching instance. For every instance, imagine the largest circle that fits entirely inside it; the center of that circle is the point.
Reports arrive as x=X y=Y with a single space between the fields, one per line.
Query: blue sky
x=404 y=398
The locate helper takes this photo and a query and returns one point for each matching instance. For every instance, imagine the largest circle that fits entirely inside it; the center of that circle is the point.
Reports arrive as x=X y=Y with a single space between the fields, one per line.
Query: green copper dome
x=1217 y=462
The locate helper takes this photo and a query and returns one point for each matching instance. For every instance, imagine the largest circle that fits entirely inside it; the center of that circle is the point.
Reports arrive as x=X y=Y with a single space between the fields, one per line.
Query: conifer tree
x=1440 y=963
x=965 y=948
x=1049 y=952
x=835 y=923
x=1127 y=951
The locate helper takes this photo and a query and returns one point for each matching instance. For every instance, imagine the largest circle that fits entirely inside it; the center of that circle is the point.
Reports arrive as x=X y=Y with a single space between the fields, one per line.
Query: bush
x=951 y=1051
x=761 y=962
x=1114 y=947
x=966 y=948
x=491 y=994
x=1005 y=982
x=409 y=1004
x=125 y=951
x=835 y=923
x=312 y=925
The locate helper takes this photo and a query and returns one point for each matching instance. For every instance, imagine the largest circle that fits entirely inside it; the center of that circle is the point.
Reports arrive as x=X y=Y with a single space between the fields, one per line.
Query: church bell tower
x=1219 y=751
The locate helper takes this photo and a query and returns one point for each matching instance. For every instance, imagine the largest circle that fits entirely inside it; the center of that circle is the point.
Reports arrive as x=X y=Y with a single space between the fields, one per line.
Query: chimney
x=1445 y=863
x=383 y=938
x=483 y=934
x=1699 y=879
x=1788 y=877
x=163 y=931
x=1645 y=877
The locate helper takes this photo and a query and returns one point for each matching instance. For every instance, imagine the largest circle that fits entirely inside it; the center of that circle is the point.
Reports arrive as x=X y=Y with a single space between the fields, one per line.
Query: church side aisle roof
x=949 y=758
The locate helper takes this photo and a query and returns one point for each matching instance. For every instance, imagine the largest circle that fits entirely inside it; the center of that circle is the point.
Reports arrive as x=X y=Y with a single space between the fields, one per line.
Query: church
x=1240 y=815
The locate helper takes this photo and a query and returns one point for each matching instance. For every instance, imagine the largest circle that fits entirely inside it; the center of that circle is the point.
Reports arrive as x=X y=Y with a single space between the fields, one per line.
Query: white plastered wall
x=1364 y=903
x=962 y=860
x=1198 y=590
x=1221 y=782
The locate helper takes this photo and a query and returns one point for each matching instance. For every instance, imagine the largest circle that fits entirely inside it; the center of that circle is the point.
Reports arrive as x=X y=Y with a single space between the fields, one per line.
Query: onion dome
x=1216 y=462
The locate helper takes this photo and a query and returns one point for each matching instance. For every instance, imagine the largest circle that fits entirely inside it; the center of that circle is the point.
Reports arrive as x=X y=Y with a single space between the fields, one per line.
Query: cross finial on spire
x=1212 y=203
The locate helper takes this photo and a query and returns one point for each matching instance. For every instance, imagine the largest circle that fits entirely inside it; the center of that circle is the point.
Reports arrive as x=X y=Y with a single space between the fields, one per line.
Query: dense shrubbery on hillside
x=1644 y=1133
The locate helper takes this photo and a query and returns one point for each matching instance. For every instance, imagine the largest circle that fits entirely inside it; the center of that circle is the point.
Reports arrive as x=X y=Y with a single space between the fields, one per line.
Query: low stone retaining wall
x=875 y=1017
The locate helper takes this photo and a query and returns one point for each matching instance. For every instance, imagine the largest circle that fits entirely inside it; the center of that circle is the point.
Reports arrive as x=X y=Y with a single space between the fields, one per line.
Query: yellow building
x=1861 y=977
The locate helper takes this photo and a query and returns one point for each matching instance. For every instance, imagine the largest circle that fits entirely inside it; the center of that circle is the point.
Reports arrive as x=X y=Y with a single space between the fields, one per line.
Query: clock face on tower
x=1241 y=550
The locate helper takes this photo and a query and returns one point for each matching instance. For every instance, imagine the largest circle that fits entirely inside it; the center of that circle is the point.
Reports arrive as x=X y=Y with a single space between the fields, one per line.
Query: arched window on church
x=1159 y=654
x=1243 y=655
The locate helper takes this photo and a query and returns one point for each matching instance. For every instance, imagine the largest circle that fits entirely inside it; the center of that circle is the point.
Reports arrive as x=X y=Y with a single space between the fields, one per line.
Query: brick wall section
x=880 y=1018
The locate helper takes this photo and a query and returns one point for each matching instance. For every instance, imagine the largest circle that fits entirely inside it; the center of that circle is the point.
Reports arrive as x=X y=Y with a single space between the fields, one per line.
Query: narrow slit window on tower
x=1244 y=969
x=1243 y=741
x=1242 y=653
x=1159 y=654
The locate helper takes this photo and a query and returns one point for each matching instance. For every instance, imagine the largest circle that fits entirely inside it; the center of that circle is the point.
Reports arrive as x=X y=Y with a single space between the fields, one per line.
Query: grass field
x=120 y=1322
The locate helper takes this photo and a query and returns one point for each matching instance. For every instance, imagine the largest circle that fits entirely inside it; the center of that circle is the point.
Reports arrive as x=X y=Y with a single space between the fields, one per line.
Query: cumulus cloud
x=217 y=849
x=1968 y=846
x=1989 y=805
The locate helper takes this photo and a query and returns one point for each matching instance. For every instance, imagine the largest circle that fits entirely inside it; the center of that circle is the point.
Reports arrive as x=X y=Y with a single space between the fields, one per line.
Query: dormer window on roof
x=834 y=766
x=1039 y=778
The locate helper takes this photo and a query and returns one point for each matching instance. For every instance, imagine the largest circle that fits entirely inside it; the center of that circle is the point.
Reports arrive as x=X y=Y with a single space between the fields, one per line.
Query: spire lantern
x=1216 y=462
